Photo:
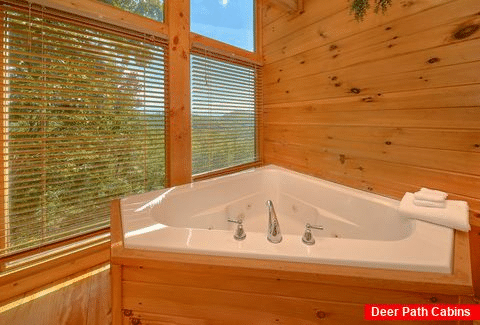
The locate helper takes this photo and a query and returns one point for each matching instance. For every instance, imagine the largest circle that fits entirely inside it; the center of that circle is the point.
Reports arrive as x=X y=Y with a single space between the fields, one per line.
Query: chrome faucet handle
x=309 y=226
x=307 y=235
x=239 y=233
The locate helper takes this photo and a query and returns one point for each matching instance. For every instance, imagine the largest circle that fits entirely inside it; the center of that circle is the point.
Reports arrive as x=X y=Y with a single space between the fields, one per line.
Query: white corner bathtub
x=360 y=229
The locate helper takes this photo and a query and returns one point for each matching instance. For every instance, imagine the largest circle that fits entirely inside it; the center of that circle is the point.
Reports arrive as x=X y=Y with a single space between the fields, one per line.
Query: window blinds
x=225 y=103
x=83 y=123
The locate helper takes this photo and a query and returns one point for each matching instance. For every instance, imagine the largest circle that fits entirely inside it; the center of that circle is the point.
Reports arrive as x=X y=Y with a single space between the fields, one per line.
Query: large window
x=228 y=21
x=225 y=95
x=83 y=123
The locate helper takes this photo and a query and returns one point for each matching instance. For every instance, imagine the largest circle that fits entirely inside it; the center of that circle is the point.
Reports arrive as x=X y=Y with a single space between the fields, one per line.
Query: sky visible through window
x=228 y=21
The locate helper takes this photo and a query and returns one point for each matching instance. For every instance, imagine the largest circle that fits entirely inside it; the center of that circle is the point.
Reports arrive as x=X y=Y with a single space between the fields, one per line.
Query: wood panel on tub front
x=213 y=296
x=154 y=287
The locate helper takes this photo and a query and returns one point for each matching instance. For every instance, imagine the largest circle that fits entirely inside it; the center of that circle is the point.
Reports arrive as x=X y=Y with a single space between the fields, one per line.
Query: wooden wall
x=86 y=302
x=387 y=105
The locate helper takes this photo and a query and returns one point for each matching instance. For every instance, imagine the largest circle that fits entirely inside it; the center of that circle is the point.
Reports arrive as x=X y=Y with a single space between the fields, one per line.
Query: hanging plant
x=359 y=7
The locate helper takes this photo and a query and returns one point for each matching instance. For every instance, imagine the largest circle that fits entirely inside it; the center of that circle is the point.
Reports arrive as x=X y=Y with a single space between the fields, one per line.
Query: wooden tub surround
x=151 y=287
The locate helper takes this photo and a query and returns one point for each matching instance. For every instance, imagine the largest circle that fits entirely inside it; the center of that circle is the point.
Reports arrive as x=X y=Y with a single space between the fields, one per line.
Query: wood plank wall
x=386 y=105
x=86 y=302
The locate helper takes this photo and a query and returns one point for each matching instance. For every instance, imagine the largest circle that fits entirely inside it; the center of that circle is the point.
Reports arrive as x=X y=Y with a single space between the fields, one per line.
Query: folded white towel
x=430 y=204
x=426 y=194
x=454 y=215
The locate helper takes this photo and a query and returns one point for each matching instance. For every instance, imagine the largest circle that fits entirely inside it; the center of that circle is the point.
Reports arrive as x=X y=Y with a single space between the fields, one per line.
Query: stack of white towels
x=433 y=206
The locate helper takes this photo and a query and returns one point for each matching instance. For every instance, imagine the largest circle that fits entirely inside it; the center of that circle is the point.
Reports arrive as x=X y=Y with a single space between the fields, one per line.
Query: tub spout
x=273 y=234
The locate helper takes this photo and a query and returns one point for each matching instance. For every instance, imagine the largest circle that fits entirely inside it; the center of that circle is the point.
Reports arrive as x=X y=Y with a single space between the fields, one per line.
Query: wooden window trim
x=49 y=247
x=225 y=171
x=178 y=137
x=200 y=41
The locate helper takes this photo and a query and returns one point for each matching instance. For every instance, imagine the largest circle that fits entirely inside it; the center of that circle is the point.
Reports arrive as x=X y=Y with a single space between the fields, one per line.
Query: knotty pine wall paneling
x=86 y=302
x=386 y=105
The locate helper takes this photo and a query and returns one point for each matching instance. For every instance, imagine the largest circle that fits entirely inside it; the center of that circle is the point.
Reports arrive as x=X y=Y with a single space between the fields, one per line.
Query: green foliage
x=359 y=7
x=222 y=142
x=149 y=8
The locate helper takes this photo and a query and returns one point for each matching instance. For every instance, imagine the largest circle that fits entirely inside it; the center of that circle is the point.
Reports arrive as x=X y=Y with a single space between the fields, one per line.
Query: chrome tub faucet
x=274 y=235
x=239 y=233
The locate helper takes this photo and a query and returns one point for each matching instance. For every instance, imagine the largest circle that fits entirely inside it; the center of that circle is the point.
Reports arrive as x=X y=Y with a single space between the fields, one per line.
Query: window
x=228 y=21
x=225 y=96
x=153 y=9
x=83 y=123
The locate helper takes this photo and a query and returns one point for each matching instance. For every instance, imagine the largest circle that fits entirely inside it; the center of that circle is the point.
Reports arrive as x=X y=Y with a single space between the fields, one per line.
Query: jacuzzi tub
x=360 y=229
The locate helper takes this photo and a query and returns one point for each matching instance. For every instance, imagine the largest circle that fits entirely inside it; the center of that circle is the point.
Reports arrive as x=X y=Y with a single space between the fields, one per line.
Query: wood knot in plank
x=333 y=47
x=355 y=90
x=135 y=321
x=368 y=99
x=127 y=312
x=342 y=159
x=433 y=60
x=465 y=32
x=320 y=314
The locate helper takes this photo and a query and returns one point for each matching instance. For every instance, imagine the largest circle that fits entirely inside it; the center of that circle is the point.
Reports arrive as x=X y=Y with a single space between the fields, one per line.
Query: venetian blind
x=225 y=105
x=83 y=123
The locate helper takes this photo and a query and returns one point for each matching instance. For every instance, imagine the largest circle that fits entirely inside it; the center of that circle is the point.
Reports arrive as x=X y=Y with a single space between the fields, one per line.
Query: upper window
x=148 y=8
x=228 y=21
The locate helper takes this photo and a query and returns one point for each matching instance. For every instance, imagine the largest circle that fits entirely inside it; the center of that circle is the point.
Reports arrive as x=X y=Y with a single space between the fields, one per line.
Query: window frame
x=256 y=57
